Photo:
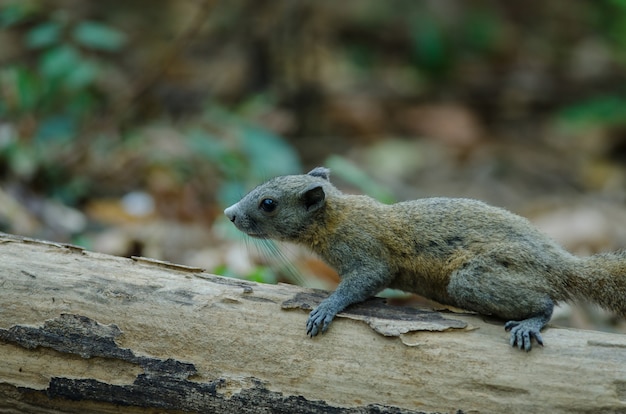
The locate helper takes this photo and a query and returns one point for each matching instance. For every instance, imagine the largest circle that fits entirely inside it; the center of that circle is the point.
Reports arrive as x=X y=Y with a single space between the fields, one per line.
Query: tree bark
x=87 y=332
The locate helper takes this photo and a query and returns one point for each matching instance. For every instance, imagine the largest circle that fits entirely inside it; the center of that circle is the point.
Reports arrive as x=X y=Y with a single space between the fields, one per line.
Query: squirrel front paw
x=522 y=333
x=319 y=319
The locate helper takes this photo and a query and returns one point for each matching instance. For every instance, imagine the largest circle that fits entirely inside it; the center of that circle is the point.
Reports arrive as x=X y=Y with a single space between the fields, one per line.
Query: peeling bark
x=86 y=332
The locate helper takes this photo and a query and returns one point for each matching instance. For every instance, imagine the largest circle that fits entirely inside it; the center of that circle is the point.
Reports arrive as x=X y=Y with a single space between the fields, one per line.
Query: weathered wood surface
x=86 y=332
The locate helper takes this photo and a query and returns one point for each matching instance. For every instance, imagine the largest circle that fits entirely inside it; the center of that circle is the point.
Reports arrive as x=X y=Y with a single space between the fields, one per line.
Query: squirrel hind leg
x=505 y=294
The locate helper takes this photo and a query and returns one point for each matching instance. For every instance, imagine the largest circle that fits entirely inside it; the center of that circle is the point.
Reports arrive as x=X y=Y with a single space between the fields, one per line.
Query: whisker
x=289 y=268
x=277 y=258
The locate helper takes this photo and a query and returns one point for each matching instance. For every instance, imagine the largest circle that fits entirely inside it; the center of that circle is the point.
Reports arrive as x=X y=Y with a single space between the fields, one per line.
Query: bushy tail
x=603 y=281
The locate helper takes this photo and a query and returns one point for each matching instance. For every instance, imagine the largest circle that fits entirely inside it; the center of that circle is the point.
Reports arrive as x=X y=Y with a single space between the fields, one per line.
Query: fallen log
x=87 y=332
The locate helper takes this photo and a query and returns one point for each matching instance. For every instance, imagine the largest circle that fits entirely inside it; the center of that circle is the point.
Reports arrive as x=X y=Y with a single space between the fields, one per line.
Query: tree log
x=87 y=332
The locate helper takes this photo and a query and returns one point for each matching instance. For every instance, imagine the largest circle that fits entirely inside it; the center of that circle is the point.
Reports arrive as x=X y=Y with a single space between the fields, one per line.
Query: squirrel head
x=284 y=207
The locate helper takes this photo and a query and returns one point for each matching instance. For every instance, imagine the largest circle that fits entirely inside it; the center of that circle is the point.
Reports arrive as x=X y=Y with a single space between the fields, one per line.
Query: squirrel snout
x=231 y=212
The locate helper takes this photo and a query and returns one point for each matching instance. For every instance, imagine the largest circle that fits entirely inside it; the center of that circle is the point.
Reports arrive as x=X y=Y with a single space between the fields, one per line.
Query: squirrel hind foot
x=523 y=331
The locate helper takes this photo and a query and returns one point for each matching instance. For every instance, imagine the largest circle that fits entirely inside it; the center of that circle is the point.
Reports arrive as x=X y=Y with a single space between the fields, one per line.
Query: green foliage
x=44 y=35
x=439 y=43
x=481 y=31
x=248 y=154
x=604 y=110
x=430 y=46
x=352 y=174
x=57 y=88
x=54 y=90
x=63 y=81
x=260 y=274
x=613 y=26
x=19 y=158
x=14 y=12
x=98 y=36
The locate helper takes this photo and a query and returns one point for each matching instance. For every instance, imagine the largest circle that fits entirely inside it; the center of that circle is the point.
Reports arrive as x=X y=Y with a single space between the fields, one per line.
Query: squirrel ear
x=321 y=172
x=313 y=197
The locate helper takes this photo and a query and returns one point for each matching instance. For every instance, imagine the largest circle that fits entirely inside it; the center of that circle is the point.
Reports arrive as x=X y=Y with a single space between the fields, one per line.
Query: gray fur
x=456 y=251
x=292 y=215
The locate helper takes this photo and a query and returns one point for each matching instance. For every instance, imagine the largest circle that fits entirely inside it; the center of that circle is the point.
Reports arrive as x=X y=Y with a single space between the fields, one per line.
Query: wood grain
x=87 y=332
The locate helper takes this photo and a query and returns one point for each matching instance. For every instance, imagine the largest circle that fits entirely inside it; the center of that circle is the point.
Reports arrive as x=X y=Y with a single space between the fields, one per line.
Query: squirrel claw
x=319 y=317
x=522 y=333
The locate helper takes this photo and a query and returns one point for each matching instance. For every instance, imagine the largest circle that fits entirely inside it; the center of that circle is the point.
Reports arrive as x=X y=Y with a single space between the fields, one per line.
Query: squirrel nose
x=230 y=213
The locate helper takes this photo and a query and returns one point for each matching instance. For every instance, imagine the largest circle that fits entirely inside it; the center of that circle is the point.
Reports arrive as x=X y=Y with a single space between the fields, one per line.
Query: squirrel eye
x=268 y=205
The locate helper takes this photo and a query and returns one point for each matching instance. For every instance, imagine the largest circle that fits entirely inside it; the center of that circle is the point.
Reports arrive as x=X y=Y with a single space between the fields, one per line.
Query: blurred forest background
x=126 y=127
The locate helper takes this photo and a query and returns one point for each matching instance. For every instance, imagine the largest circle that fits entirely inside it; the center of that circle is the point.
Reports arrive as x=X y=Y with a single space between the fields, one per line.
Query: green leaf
x=59 y=61
x=56 y=128
x=268 y=154
x=21 y=160
x=27 y=88
x=82 y=103
x=598 y=111
x=619 y=4
x=45 y=34
x=223 y=270
x=482 y=30
x=23 y=86
x=14 y=13
x=205 y=145
x=262 y=274
x=99 y=36
x=429 y=44
x=230 y=192
x=65 y=63
x=359 y=178
x=81 y=75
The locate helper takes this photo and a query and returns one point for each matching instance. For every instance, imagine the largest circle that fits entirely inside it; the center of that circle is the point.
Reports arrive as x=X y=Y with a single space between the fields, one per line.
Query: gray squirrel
x=456 y=251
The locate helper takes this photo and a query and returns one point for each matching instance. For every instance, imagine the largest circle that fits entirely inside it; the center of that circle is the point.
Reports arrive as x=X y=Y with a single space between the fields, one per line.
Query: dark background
x=127 y=126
